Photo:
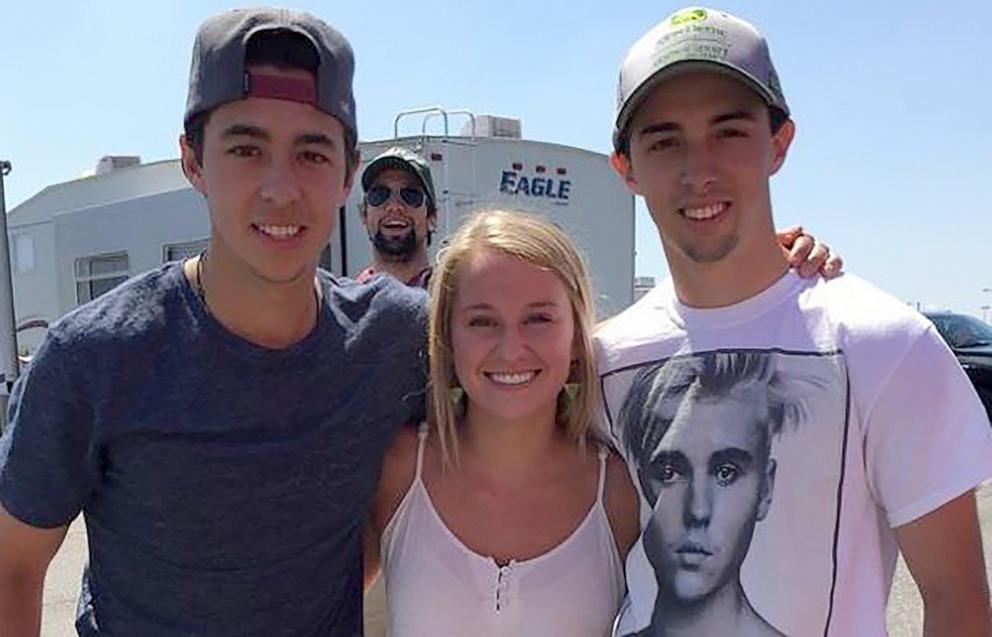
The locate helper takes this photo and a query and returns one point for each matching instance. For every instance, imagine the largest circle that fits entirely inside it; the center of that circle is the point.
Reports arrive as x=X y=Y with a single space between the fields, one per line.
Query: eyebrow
x=670 y=456
x=319 y=139
x=664 y=127
x=736 y=455
x=671 y=127
x=245 y=130
x=259 y=133
x=486 y=306
x=734 y=116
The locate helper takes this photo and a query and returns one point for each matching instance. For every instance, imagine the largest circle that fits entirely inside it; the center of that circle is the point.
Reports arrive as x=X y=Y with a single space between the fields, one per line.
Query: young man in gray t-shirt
x=220 y=422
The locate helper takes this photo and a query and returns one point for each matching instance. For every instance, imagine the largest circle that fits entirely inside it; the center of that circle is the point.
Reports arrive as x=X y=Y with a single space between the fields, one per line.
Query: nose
x=698 y=504
x=394 y=204
x=698 y=167
x=511 y=343
x=280 y=186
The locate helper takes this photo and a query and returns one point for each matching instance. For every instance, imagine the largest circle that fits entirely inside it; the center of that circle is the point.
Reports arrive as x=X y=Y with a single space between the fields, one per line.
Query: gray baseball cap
x=691 y=38
x=218 y=75
x=401 y=159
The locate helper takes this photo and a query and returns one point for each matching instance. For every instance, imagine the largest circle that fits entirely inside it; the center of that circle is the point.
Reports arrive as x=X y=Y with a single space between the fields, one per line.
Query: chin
x=710 y=252
x=690 y=588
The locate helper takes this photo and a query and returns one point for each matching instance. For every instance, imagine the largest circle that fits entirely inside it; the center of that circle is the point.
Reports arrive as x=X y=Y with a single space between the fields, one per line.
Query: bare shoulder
x=622 y=503
x=403 y=448
x=398 y=468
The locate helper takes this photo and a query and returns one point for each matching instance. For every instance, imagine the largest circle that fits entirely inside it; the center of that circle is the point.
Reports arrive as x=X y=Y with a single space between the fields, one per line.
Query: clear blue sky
x=892 y=163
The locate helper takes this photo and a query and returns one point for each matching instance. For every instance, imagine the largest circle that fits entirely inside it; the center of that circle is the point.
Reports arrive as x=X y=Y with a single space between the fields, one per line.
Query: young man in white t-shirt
x=876 y=440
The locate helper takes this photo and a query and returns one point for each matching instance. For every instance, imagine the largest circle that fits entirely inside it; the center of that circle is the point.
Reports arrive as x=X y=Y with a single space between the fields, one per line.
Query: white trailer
x=73 y=241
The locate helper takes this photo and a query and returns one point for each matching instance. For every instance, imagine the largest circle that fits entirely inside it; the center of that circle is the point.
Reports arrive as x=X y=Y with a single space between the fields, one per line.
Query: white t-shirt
x=775 y=444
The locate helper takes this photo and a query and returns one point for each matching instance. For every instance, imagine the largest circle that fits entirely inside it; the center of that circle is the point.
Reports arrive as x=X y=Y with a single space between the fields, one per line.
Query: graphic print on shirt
x=738 y=458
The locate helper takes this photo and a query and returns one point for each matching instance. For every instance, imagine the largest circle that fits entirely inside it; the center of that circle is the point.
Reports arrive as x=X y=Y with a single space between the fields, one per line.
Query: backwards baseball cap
x=695 y=38
x=404 y=159
x=218 y=74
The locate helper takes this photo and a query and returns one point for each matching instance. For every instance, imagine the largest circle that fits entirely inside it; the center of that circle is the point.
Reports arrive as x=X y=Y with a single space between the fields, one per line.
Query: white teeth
x=280 y=232
x=506 y=378
x=707 y=212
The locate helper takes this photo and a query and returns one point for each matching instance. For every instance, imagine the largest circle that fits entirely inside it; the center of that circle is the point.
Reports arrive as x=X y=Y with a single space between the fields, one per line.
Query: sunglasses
x=379 y=194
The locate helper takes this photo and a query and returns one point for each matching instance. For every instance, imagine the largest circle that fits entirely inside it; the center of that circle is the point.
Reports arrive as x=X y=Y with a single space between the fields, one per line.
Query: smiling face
x=709 y=480
x=512 y=335
x=274 y=175
x=398 y=230
x=701 y=154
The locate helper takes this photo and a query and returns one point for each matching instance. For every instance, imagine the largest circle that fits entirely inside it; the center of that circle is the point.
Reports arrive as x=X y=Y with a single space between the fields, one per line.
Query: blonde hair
x=534 y=240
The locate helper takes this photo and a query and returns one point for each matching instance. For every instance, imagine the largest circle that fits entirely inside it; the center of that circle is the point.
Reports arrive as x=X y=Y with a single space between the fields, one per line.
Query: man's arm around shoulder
x=25 y=552
x=943 y=550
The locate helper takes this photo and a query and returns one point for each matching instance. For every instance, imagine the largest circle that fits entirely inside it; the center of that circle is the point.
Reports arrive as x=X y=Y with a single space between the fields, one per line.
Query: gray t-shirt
x=224 y=485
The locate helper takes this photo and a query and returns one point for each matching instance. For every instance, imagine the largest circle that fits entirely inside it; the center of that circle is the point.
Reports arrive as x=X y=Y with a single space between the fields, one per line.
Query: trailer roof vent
x=110 y=163
x=493 y=126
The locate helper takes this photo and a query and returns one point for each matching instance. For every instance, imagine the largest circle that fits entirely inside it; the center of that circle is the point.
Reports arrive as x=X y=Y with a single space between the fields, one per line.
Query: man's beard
x=397 y=249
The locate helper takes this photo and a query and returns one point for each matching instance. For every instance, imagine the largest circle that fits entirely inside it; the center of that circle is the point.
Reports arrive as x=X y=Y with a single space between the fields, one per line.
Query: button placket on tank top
x=505 y=606
x=521 y=598
x=502 y=590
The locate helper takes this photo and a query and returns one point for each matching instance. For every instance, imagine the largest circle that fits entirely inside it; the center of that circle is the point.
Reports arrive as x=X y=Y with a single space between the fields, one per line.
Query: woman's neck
x=511 y=452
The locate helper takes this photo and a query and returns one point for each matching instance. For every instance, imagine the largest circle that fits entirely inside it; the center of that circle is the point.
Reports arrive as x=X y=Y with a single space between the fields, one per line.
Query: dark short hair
x=776 y=119
x=282 y=49
x=716 y=375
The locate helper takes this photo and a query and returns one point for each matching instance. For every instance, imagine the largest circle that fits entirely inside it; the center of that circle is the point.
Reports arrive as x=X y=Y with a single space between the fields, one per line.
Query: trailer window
x=99 y=274
x=23 y=253
x=181 y=251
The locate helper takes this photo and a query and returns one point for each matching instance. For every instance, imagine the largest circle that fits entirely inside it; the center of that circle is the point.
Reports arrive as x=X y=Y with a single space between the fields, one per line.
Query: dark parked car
x=971 y=341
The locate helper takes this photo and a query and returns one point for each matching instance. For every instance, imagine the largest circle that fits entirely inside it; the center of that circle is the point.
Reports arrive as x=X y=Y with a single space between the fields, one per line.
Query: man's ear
x=623 y=167
x=781 y=141
x=351 y=172
x=363 y=213
x=191 y=166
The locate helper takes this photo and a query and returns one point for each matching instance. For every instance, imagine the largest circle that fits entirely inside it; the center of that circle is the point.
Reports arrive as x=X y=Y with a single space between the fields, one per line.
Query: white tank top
x=438 y=587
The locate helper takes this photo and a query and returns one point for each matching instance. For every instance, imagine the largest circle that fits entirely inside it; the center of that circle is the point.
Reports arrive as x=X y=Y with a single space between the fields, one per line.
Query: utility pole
x=986 y=308
x=8 y=323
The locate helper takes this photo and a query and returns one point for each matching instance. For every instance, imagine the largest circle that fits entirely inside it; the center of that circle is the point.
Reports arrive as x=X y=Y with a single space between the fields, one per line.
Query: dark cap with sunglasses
x=400 y=158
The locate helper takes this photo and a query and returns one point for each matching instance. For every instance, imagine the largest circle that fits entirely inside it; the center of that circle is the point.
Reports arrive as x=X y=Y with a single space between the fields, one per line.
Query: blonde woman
x=505 y=516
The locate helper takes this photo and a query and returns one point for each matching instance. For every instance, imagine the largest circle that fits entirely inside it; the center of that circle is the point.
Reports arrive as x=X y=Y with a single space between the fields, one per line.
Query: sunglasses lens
x=412 y=197
x=377 y=195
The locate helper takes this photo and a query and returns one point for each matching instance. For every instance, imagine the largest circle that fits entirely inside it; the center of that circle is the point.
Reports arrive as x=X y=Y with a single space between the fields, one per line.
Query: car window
x=961 y=330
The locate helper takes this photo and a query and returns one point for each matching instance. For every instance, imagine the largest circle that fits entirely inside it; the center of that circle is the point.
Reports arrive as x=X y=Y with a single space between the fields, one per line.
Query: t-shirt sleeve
x=928 y=438
x=416 y=403
x=403 y=312
x=600 y=424
x=48 y=457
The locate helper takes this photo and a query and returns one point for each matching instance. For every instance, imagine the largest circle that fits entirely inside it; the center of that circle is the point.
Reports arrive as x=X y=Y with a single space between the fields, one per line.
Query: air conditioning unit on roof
x=110 y=163
x=493 y=126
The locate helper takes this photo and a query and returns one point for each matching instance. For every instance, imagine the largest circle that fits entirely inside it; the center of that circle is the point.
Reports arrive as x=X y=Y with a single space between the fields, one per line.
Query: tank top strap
x=604 y=453
x=421 y=444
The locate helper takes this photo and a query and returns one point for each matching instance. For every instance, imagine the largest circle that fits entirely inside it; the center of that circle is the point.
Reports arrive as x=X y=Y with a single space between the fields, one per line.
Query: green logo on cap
x=688 y=15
